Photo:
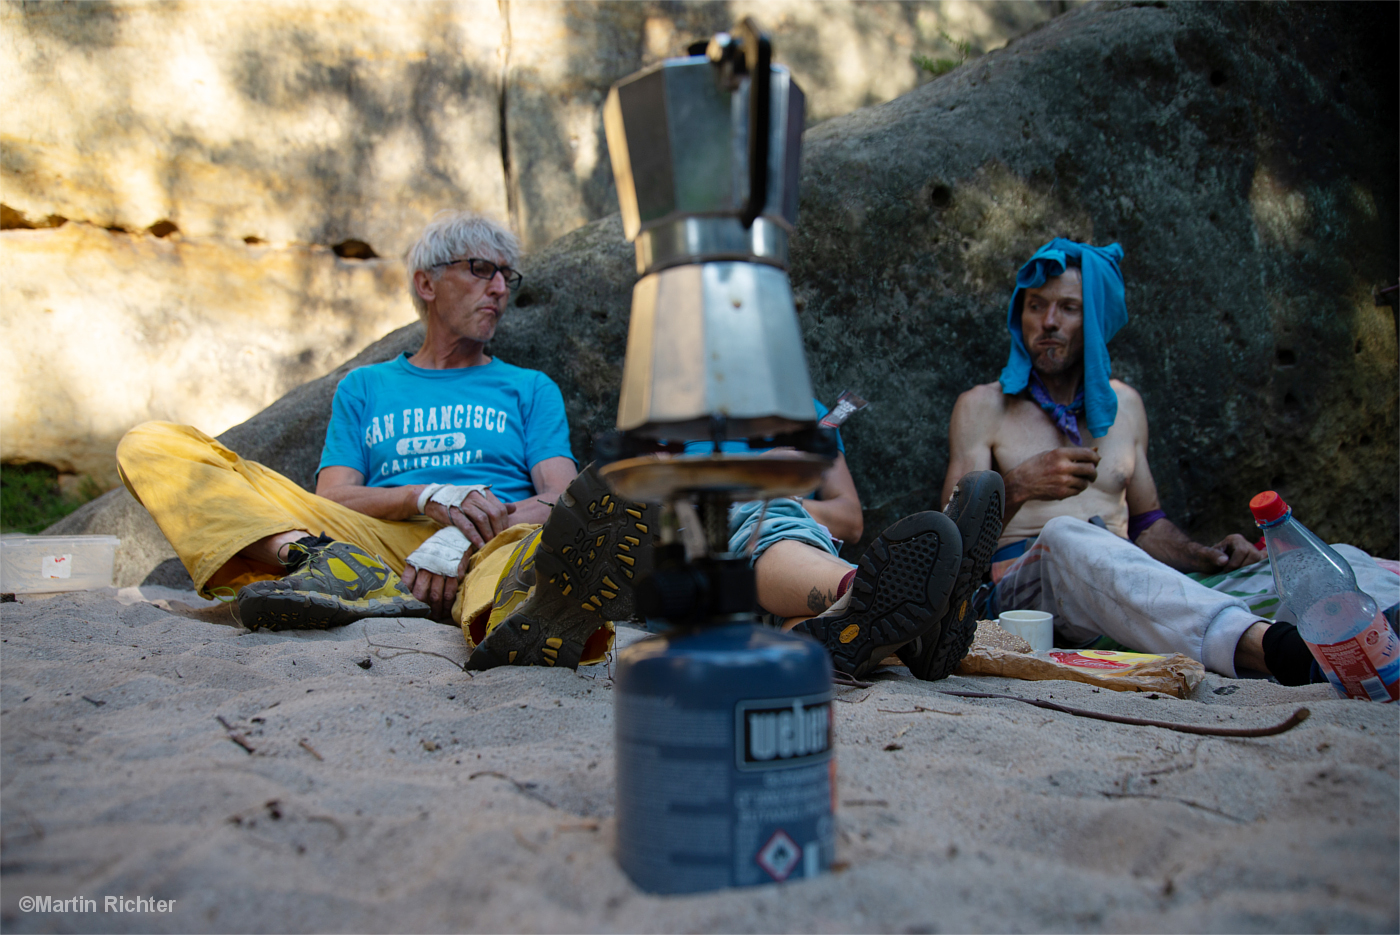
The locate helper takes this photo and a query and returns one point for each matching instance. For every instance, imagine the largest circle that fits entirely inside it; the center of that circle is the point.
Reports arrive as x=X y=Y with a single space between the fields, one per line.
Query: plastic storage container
x=1350 y=639
x=35 y=564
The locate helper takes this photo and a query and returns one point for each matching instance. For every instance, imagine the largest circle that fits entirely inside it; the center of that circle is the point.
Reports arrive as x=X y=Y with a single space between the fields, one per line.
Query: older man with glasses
x=436 y=469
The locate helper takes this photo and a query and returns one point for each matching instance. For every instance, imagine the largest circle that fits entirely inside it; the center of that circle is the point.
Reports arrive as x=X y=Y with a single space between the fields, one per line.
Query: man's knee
x=150 y=449
x=147 y=437
x=1061 y=529
x=163 y=440
x=138 y=445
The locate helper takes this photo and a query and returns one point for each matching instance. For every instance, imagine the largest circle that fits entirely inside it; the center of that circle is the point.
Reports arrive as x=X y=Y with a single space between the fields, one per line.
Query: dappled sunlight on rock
x=1000 y=215
x=119 y=328
x=1281 y=214
x=267 y=123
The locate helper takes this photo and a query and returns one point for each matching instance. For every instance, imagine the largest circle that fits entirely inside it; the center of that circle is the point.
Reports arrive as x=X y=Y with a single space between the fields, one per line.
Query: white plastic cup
x=1034 y=626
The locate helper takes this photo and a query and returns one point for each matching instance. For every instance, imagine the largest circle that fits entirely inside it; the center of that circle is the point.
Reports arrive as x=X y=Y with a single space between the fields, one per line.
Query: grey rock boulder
x=1245 y=157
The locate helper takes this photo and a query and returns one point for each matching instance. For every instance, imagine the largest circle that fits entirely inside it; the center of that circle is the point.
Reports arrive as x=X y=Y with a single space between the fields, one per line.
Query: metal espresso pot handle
x=757 y=61
x=758 y=56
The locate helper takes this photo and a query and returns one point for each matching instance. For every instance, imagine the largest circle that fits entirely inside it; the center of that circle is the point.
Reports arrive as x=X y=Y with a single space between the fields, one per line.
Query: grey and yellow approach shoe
x=900 y=590
x=328 y=584
x=976 y=508
x=593 y=550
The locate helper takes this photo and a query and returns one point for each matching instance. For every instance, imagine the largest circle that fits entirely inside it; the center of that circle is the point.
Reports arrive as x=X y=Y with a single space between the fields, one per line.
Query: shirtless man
x=1071 y=446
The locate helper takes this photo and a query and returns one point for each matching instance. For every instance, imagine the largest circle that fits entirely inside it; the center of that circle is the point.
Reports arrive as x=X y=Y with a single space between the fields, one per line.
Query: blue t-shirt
x=398 y=424
x=741 y=446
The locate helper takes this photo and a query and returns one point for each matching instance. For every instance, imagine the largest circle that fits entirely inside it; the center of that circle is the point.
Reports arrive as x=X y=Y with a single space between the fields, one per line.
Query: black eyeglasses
x=485 y=269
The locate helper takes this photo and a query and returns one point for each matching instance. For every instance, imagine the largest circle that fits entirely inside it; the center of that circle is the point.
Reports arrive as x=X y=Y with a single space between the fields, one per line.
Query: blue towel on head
x=1104 y=313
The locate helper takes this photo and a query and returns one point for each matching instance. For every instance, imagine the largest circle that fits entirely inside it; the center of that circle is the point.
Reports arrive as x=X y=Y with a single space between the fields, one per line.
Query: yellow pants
x=211 y=504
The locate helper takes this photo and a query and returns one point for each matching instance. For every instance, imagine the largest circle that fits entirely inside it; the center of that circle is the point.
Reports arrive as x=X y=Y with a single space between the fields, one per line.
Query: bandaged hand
x=448 y=495
x=435 y=568
x=442 y=552
x=471 y=508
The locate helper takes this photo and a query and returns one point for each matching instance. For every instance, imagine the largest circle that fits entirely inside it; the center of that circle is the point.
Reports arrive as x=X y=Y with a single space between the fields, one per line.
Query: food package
x=1172 y=674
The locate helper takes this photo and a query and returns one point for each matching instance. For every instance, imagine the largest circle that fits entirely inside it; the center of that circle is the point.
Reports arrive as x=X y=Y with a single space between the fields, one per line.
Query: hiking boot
x=900 y=590
x=592 y=551
x=976 y=509
x=515 y=586
x=328 y=584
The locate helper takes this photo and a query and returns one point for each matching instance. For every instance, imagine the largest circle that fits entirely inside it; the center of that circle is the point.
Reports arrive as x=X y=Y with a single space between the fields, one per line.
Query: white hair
x=456 y=235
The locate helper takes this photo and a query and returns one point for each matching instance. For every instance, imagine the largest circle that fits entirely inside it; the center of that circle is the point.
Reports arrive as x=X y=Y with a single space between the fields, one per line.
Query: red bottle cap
x=1267 y=507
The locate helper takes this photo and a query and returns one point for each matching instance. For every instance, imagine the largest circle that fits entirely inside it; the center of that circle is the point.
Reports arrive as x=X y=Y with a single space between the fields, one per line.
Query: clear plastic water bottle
x=1350 y=639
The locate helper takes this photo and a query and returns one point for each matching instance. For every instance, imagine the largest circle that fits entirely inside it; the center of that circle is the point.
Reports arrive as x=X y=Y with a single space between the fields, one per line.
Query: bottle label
x=1367 y=666
x=782 y=733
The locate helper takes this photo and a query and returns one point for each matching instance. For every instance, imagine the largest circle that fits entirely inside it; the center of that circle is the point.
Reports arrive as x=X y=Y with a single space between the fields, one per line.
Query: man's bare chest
x=1027 y=430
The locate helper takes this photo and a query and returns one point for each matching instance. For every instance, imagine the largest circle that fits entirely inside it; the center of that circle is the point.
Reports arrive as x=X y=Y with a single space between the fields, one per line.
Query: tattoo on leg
x=818 y=602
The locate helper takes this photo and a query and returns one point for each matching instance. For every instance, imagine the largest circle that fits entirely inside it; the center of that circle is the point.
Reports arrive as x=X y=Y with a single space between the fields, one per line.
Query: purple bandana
x=1063 y=415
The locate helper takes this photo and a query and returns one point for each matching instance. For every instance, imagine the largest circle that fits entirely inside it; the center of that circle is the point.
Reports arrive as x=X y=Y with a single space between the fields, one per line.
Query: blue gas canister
x=724 y=758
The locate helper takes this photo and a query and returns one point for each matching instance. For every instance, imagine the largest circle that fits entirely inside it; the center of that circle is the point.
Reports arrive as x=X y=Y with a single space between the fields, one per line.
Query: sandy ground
x=407 y=796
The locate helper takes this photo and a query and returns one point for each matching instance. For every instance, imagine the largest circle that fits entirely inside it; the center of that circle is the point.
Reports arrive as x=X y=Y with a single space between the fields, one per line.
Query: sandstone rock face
x=1243 y=156
x=104 y=331
x=226 y=147
x=289 y=122
x=319 y=123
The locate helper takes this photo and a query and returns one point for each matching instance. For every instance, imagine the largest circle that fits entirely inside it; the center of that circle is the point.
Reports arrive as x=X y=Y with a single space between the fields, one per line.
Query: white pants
x=1097 y=584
